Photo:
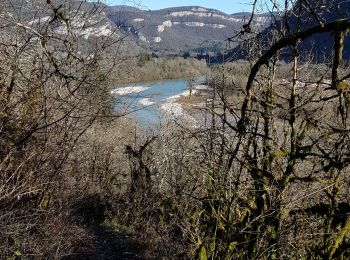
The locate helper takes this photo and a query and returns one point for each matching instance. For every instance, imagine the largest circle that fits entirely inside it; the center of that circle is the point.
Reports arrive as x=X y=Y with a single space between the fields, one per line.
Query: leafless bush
x=53 y=87
x=264 y=177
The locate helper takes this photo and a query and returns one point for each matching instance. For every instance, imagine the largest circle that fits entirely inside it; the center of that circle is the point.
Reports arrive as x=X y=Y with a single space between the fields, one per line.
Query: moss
x=45 y=202
x=117 y=227
x=272 y=231
x=286 y=179
x=203 y=253
x=280 y=154
x=344 y=86
x=232 y=246
x=339 y=239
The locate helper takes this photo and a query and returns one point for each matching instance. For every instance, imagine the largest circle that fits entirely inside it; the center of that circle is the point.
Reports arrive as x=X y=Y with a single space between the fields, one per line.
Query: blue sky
x=227 y=6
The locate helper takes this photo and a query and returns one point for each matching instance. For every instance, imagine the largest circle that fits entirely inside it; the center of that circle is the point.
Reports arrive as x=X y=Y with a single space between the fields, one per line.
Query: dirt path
x=111 y=246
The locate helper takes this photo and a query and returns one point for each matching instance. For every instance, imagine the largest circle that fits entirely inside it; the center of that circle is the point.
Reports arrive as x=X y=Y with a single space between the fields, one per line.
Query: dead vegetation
x=263 y=175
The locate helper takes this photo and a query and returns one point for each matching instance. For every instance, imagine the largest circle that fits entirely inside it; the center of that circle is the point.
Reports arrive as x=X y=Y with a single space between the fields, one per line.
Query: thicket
x=54 y=86
x=265 y=173
x=262 y=172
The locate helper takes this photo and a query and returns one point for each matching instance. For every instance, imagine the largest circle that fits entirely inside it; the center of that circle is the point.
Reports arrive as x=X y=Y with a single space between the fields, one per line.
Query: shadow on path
x=111 y=246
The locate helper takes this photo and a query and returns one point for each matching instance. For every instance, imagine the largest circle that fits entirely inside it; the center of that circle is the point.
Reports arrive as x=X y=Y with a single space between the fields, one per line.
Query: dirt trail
x=111 y=246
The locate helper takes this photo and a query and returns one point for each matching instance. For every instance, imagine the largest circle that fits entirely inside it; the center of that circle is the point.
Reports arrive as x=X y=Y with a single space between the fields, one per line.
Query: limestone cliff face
x=190 y=30
x=181 y=29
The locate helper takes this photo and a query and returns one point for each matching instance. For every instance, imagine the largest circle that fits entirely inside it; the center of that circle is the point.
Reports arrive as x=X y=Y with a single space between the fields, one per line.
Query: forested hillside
x=182 y=30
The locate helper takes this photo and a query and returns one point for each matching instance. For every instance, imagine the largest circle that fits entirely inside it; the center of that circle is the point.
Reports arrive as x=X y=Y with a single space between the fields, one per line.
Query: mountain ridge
x=182 y=29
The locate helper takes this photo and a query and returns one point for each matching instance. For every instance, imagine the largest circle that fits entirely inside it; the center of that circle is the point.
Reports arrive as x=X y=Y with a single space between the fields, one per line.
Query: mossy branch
x=291 y=40
x=339 y=240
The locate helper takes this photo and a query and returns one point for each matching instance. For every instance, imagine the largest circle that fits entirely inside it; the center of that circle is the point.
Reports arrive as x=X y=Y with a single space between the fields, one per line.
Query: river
x=150 y=101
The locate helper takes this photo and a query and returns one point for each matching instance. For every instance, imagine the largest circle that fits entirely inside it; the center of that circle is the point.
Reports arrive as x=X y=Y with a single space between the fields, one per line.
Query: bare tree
x=56 y=58
x=270 y=166
x=307 y=146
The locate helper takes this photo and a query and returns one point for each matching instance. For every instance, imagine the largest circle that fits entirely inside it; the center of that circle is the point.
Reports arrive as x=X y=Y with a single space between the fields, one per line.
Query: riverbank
x=158 y=69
